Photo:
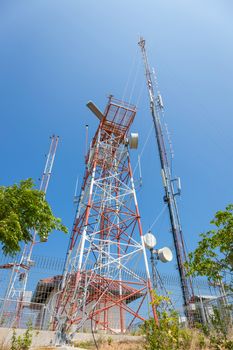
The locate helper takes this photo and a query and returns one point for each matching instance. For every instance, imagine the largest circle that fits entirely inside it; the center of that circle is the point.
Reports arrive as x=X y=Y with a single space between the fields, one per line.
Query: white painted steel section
x=142 y=240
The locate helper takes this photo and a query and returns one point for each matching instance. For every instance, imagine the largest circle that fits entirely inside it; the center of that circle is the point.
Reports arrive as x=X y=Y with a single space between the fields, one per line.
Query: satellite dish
x=165 y=254
x=133 y=140
x=149 y=240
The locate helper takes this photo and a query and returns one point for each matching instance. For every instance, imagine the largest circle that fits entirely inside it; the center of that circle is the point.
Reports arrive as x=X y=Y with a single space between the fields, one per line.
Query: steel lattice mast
x=106 y=247
x=20 y=271
x=156 y=106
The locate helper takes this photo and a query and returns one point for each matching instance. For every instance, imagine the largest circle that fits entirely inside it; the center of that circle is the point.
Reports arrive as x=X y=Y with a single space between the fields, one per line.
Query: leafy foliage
x=168 y=334
x=219 y=333
x=22 y=342
x=23 y=209
x=214 y=255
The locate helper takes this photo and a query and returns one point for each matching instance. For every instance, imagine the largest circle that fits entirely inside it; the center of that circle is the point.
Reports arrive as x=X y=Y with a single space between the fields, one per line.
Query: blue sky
x=56 y=55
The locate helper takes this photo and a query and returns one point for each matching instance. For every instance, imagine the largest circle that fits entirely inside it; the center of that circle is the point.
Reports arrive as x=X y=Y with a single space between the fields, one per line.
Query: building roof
x=96 y=287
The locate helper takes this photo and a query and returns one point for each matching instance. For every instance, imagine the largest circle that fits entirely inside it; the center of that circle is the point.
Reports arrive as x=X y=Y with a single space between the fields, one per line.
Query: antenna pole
x=86 y=141
x=169 y=198
x=20 y=270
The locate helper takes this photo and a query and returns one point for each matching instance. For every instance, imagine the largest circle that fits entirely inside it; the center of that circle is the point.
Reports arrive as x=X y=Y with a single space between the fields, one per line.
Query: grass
x=85 y=344
x=123 y=346
x=3 y=347
x=111 y=345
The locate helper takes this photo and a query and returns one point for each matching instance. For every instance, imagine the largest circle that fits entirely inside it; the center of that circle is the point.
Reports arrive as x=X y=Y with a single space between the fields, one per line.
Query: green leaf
x=213 y=256
x=23 y=209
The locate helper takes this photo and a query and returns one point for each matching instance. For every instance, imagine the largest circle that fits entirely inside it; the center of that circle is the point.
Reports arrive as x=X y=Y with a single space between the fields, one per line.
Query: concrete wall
x=45 y=338
x=41 y=338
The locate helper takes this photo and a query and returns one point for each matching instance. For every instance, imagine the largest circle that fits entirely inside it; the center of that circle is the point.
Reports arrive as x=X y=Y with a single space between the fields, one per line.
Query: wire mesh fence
x=37 y=306
x=21 y=314
x=211 y=311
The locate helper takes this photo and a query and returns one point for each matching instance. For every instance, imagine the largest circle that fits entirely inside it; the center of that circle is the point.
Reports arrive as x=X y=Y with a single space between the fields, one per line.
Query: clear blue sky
x=58 y=54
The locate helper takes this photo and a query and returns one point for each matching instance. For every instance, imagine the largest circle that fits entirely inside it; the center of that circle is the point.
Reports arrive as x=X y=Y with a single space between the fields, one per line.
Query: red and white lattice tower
x=101 y=287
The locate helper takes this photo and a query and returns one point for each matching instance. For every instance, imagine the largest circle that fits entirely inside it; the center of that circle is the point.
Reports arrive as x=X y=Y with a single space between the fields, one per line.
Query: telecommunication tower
x=106 y=248
x=20 y=270
x=156 y=107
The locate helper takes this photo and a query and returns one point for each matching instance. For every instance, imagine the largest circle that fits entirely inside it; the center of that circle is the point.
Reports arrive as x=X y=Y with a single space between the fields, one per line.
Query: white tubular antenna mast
x=20 y=271
x=49 y=164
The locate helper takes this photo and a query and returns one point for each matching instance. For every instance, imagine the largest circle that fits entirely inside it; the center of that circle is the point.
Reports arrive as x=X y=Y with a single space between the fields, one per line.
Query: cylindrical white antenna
x=140 y=169
x=86 y=143
x=76 y=189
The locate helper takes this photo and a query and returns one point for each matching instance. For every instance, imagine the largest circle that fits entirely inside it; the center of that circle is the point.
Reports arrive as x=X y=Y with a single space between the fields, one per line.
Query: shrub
x=22 y=342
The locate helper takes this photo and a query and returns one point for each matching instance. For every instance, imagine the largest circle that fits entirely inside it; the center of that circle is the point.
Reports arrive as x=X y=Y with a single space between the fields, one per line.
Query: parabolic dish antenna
x=149 y=240
x=165 y=254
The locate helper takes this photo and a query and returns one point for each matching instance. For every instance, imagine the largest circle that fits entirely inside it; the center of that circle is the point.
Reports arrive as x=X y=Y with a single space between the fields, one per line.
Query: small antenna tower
x=20 y=270
x=156 y=106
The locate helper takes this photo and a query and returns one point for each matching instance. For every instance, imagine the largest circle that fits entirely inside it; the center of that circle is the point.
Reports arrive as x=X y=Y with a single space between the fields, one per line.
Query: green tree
x=22 y=210
x=213 y=256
